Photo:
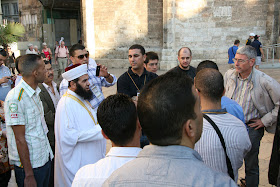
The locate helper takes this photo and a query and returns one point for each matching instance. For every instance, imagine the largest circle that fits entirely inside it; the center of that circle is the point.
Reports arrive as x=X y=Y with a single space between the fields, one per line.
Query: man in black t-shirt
x=185 y=58
x=131 y=81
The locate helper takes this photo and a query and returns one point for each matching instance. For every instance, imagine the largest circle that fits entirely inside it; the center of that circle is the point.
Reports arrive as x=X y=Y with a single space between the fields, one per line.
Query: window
x=15 y=8
x=6 y=9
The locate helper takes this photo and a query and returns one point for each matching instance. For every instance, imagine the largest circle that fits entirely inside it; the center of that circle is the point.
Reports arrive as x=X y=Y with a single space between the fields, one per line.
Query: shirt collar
x=47 y=86
x=171 y=151
x=145 y=72
x=215 y=111
x=249 y=78
x=123 y=152
x=30 y=92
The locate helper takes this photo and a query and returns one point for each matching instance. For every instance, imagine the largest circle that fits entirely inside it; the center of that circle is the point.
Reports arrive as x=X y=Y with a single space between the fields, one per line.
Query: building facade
x=208 y=27
x=109 y=27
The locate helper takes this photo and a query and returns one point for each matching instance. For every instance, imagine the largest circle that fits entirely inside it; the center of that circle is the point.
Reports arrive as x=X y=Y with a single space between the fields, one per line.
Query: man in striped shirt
x=259 y=96
x=210 y=86
x=79 y=55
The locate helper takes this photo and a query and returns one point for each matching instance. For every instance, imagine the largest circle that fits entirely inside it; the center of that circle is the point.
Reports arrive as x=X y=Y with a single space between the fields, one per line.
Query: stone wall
x=208 y=27
x=119 y=24
x=31 y=18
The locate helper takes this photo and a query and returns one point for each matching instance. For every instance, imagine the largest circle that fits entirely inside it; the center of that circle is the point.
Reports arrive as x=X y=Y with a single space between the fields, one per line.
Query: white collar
x=123 y=152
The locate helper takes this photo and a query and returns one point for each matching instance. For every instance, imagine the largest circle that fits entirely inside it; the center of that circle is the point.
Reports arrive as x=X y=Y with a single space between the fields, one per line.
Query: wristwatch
x=107 y=75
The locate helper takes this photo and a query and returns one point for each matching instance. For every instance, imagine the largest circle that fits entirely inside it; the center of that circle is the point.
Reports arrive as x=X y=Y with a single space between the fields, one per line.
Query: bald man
x=185 y=58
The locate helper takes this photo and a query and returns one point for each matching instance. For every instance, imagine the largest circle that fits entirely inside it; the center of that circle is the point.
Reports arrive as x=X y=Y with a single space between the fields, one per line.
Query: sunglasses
x=82 y=56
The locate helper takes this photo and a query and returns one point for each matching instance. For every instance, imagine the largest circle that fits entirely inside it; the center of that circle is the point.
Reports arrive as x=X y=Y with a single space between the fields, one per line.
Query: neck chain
x=135 y=83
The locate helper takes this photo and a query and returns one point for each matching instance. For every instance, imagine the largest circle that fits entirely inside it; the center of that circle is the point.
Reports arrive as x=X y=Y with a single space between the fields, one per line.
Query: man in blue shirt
x=231 y=53
x=5 y=76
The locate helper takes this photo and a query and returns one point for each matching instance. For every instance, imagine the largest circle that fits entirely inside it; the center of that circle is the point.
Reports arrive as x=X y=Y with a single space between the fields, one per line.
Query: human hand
x=257 y=124
x=5 y=79
x=103 y=71
x=30 y=181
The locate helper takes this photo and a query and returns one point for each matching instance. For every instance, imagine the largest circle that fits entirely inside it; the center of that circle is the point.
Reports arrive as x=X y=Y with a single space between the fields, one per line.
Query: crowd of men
x=187 y=127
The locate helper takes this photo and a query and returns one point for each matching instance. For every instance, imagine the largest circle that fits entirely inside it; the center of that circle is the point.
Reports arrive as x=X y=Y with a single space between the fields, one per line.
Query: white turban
x=75 y=72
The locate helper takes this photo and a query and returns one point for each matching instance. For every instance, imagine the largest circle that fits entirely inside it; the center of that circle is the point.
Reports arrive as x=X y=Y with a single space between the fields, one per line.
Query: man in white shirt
x=30 y=50
x=210 y=86
x=49 y=97
x=117 y=117
x=78 y=138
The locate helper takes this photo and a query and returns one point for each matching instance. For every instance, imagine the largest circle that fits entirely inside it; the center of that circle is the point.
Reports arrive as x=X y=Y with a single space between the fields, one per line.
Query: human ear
x=104 y=135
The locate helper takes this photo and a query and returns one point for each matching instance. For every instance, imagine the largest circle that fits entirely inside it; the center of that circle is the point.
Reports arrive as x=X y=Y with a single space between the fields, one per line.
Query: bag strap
x=232 y=51
x=229 y=166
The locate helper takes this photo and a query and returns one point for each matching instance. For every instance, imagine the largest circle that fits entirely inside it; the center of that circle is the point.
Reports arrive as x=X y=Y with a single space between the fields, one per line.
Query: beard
x=86 y=95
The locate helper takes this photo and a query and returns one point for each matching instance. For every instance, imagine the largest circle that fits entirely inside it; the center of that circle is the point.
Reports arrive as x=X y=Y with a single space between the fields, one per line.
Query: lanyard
x=134 y=82
x=81 y=103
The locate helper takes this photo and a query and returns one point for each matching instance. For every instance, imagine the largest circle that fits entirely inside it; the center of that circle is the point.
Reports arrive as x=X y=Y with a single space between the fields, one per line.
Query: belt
x=62 y=57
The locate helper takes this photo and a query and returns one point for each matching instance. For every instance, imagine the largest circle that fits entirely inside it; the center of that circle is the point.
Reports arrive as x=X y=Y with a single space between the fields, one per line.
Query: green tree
x=10 y=33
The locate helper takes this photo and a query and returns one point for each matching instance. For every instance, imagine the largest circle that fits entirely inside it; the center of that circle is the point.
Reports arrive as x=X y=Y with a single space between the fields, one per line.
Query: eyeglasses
x=82 y=56
x=240 y=61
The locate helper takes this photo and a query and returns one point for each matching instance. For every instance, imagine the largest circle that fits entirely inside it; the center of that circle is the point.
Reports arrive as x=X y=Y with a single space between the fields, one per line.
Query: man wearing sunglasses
x=258 y=94
x=79 y=55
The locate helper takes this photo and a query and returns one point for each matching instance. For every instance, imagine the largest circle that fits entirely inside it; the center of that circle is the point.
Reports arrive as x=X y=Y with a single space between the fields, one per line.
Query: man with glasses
x=79 y=55
x=49 y=96
x=259 y=96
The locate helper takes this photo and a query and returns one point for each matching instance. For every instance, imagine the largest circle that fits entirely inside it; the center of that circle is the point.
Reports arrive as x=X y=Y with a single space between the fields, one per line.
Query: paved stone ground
x=266 y=143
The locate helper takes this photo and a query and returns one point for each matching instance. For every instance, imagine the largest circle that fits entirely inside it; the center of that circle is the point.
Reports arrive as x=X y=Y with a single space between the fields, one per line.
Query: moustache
x=50 y=75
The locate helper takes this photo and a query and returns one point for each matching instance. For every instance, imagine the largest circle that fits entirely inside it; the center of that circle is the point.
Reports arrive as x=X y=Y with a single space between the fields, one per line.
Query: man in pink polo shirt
x=62 y=57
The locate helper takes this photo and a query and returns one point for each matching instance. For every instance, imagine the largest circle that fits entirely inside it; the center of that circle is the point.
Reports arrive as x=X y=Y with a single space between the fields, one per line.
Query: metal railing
x=270 y=52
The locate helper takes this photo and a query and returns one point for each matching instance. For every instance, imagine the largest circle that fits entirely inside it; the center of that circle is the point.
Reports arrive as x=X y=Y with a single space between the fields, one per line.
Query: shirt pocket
x=30 y=116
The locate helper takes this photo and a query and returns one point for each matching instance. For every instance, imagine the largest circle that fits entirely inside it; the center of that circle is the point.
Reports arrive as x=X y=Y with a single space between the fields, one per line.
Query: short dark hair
x=210 y=83
x=74 y=48
x=3 y=52
x=137 y=46
x=117 y=117
x=206 y=64
x=74 y=80
x=236 y=42
x=164 y=106
x=28 y=63
x=151 y=56
x=16 y=63
x=185 y=48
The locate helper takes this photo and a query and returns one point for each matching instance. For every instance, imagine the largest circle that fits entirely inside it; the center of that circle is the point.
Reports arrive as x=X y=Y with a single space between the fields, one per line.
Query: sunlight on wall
x=189 y=8
x=127 y=23
x=89 y=10
x=250 y=2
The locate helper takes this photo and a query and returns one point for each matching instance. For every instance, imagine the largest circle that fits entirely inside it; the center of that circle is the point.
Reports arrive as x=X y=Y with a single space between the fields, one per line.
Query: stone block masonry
x=208 y=27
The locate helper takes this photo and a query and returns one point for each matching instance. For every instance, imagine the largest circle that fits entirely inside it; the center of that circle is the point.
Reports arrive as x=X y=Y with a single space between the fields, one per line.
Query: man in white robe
x=77 y=134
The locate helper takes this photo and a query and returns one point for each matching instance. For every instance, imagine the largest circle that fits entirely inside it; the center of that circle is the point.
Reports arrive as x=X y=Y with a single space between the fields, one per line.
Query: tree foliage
x=10 y=33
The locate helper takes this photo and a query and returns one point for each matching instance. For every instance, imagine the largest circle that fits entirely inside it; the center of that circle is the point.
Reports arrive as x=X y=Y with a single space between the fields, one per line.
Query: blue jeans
x=252 y=158
x=41 y=174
